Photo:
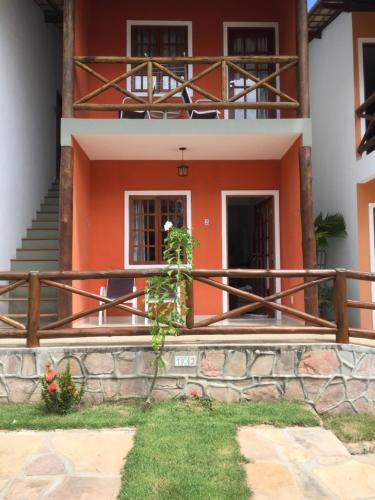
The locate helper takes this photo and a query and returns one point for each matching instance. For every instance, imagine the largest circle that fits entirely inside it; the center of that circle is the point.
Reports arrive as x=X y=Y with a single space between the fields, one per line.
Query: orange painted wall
x=101 y=30
x=363 y=27
x=81 y=217
x=109 y=180
x=290 y=221
x=365 y=195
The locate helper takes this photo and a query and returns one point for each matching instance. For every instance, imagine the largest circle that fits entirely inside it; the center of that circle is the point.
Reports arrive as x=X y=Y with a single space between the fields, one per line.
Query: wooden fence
x=146 y=68
x=33 y=331
x=366 y=112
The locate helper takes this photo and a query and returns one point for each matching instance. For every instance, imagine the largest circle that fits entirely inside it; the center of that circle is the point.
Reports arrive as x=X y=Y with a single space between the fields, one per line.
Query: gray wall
x=30 y=74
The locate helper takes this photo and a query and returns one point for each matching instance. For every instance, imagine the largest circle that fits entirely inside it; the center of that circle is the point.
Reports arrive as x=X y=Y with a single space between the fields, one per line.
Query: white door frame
x=371 y=220
x=224 y=232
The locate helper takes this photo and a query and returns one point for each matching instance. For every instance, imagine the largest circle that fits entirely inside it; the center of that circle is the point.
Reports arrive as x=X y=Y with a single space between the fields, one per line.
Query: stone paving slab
x=299 y=463
x=63 y=465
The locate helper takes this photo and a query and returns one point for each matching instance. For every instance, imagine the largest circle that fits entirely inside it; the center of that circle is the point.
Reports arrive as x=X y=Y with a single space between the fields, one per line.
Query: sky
x=310 y=3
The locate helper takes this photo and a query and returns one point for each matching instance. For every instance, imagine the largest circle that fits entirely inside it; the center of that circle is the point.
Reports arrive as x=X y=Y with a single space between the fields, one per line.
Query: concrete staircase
x=38 y=252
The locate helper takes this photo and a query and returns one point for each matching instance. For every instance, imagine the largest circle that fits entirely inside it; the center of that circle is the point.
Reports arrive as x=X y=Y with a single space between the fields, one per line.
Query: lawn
x=182 y=449
x=352 y=428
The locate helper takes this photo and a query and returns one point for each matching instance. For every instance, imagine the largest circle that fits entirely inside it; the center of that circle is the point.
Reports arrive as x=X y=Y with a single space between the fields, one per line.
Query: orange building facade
x=241 y=195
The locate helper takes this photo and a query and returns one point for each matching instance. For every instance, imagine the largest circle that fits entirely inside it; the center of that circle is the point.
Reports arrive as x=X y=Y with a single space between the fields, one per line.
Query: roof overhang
x=326 y=11
x=52 y=10
x=205 y=139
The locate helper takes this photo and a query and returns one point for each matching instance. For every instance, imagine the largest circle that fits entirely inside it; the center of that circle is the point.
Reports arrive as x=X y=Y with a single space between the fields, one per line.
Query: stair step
x=34 y=265
x=50 y=201
x=36 y=243
x=44 y=224
x=51 y=216
x=38 y=254
x=46 y=292
x=43 y=233
x=46 y=307
x=53 y=193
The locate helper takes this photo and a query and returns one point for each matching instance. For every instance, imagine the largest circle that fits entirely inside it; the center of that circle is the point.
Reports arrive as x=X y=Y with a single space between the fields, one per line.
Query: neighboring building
x=30 y=69
x=119 y=181
x=342 y=77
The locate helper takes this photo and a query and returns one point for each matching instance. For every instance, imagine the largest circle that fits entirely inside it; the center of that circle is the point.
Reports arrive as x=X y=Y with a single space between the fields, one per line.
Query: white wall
x=335 y=167
x=30 y=74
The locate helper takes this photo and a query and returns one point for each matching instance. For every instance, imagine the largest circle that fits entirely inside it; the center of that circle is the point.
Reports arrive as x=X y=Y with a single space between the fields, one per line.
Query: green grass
x=352 y=428
x=182 y=449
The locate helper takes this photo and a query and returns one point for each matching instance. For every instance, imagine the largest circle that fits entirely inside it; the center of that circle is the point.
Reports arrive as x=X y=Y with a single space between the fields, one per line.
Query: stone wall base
x=332 y=378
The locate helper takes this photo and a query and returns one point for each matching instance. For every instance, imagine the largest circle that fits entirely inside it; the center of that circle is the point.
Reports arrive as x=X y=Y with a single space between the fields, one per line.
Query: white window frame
x=131 y=23
x=371 y=219
x=361 y=43
x=274 y=25
x=127 y=195
x=224 y=233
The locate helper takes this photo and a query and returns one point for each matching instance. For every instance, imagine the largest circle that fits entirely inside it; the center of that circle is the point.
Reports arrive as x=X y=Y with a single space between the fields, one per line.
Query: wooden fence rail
x=306 y=323
x=184 y=73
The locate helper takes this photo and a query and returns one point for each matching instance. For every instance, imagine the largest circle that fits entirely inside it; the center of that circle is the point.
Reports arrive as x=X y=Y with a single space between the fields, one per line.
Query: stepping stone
x=27 y=489
x=45 y=465
x=87 y=488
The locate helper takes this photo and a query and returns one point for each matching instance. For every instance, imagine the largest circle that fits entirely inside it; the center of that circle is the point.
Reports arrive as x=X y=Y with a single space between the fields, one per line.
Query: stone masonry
x=331 y=378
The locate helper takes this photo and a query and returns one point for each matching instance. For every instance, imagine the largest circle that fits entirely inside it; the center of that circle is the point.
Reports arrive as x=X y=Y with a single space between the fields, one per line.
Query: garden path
x=298 y=463
x=63 y=464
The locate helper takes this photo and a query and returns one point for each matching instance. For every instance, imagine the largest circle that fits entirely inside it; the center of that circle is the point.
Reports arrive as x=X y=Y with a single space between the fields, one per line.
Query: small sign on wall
x=185 y=361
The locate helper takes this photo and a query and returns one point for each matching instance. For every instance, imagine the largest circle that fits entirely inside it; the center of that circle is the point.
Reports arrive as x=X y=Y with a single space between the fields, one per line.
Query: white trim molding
x=127 y=195
x=130 y=23
x=274 y=25
x=371 y=221
x=361 y=76
x=224 y=232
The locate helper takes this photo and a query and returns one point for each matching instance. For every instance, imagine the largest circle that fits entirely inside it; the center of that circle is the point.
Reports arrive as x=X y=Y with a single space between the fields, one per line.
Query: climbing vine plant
x=166 y=293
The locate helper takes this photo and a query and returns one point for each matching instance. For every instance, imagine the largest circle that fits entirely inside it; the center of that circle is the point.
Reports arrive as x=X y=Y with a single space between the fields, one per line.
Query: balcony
x=166 y=87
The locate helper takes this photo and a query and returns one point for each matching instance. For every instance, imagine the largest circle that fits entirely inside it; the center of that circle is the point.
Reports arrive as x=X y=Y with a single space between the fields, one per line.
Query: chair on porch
x=171 y=298
x=114 y=289
x=196 y=115
x=133 y=115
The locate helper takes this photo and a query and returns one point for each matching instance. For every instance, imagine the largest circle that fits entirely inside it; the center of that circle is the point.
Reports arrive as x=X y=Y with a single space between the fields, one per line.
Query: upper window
x=147 y=216
x=159 y=41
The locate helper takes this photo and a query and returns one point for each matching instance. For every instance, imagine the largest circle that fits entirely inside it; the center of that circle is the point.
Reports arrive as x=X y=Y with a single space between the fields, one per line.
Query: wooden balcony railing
x=222 y=67
x=33 y=331
x=367 y=113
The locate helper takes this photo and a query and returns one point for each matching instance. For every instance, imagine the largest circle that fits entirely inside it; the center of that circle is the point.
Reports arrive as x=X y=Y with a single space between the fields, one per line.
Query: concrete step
x=51 y=216
x=34 y=265
x=45 y=224
x=30 y=243
x=44 y=318
x=38 y=254
x=46 y=292
x=50 y=201
x=47 y=306
x=43 y=233
x=53 y=193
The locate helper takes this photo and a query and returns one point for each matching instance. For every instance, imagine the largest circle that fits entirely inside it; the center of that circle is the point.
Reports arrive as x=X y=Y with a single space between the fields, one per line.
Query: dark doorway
x=58 y=132
x=251 y=244
x=369 y=82
x=250 y=42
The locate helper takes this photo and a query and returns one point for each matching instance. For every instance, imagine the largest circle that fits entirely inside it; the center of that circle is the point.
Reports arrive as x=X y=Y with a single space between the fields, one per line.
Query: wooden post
x=307 y=225
x=190 y=304
x=66 y=163
x=33 y=314
x=303 y=55
x=341 y=307
x=68 y=61
x=305 y=167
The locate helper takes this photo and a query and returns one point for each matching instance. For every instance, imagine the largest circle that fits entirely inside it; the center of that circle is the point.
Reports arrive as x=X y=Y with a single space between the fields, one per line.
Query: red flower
x=50 y=375
x=53 y=387
x=193 y=393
